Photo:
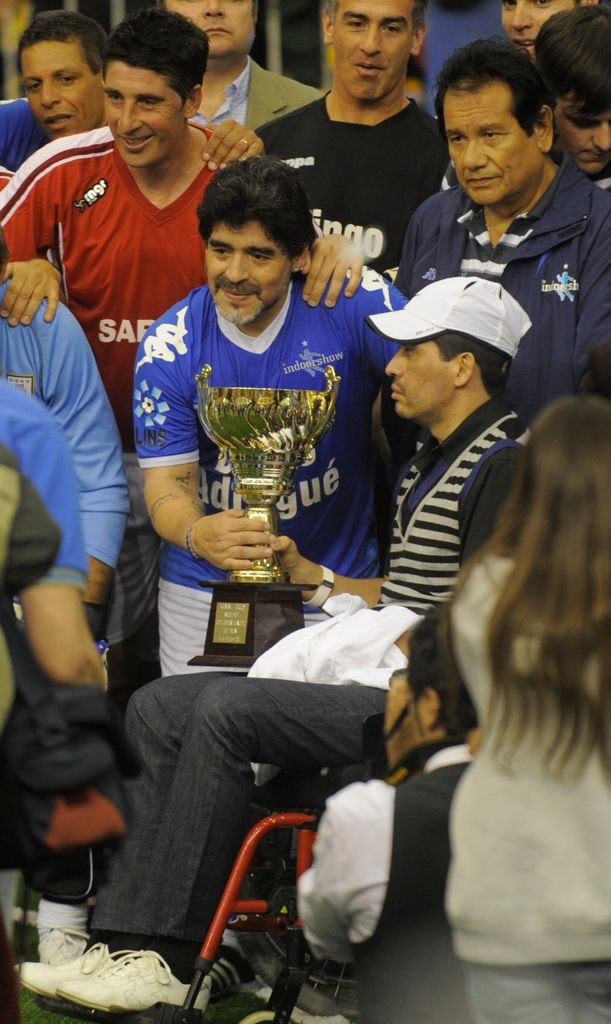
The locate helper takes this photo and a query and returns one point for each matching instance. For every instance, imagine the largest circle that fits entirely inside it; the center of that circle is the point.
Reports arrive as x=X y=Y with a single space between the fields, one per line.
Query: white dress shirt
x=341 y=896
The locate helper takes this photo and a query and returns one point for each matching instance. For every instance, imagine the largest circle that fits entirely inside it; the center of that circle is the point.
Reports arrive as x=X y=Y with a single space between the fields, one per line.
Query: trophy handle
x=324 y=424
x=201 y=380
x=331 y=376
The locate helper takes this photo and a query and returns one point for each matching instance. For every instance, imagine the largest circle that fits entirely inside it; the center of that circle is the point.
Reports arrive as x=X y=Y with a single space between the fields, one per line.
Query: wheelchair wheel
x=258 y=1017
x=330 y=989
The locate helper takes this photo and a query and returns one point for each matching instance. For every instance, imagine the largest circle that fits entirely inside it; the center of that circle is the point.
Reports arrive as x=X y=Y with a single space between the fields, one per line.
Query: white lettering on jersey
x=374 y=282
x=123 y=330
x=167 y=342
x=300 y=161
x=371 y=241
x=219 y=494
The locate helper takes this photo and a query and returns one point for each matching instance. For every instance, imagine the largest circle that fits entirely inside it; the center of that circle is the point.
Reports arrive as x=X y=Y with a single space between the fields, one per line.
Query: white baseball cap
x=481 y=309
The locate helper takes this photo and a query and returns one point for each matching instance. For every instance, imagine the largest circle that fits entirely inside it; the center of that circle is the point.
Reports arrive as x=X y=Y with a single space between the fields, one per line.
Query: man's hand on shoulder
x=30 y=283
x=334 y=257
x=229 y=142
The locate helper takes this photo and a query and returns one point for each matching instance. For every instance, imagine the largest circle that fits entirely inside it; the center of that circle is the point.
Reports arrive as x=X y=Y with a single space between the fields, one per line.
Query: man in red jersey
x=116 y=208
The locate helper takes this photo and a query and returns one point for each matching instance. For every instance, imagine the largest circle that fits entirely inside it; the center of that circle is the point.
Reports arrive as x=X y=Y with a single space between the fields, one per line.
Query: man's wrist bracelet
x=320 y=595
x=189 y=542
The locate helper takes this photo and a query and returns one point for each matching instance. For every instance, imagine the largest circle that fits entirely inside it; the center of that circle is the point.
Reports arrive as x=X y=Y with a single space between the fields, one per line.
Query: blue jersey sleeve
x=30 y=432
x=68 y=383
x=165 y=419
x=375 y=295
x=20 y=133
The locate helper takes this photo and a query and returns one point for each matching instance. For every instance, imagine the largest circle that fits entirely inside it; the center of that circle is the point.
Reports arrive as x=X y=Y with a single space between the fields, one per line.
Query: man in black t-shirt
x=367 y=155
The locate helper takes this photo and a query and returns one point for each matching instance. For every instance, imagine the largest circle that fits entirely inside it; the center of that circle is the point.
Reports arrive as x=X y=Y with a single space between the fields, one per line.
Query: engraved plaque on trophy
x=266 y=434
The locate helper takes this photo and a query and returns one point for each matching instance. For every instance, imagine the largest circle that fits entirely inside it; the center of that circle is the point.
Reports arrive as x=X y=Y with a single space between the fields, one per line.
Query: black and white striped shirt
x=447 y=505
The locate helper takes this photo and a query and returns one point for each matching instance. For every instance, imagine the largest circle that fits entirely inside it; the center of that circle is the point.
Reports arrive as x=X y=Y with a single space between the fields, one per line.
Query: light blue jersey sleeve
x=30 y=432
x=65 y=377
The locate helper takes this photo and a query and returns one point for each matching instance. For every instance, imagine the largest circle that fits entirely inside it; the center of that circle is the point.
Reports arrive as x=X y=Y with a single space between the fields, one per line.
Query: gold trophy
x=266 y=434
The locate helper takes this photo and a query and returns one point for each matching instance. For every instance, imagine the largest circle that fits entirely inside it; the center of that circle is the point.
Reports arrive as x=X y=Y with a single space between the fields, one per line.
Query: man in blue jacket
x=53 y=361
x=519 y=217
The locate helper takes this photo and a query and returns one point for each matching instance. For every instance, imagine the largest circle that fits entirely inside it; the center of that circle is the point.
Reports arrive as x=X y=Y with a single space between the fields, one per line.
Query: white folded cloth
x=356 y=644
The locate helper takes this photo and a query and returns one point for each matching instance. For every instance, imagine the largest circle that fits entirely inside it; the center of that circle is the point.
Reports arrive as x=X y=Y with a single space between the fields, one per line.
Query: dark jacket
x=561 y=275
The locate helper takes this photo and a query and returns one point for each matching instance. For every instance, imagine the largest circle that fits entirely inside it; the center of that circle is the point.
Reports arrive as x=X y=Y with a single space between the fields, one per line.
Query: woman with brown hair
x=529 y=892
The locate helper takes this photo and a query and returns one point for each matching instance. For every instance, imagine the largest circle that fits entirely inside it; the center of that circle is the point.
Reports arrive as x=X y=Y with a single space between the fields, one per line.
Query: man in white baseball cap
x=457 y=337
x=469 y=306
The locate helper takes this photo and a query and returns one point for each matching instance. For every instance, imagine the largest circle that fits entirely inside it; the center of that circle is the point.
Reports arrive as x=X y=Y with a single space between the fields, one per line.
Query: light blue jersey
x=330 y=511
x=55 y=363
x=29 y=431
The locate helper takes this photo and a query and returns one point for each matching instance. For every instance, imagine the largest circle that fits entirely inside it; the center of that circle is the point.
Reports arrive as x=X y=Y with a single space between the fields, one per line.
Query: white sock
x=230 y=938
x=61 y=915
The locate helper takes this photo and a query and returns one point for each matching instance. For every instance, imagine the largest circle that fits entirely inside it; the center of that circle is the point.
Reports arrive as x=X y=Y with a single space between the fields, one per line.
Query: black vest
x=407 y=972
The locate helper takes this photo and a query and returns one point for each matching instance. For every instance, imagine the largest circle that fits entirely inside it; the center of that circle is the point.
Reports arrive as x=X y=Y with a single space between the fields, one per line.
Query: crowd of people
x=165 y=202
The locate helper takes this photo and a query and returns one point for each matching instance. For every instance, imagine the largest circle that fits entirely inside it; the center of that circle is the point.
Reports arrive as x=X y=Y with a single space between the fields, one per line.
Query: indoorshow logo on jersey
x=564 y=286
x=311 y=361
x=92 y=195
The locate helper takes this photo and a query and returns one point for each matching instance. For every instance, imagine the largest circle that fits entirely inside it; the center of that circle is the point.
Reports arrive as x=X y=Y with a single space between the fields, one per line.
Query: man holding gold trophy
x=252 y=328
x=199 y=735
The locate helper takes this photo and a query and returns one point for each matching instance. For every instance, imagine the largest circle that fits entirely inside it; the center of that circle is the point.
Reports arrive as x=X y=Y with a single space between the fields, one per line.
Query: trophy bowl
x=266 y=434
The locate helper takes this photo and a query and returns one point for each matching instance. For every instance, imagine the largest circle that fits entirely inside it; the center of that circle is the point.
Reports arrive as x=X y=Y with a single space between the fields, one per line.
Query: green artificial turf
x=228 y=1011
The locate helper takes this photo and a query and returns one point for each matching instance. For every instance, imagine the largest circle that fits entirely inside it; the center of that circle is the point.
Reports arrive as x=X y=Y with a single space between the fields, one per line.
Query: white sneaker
x=45 y=979
x=61 y=945
x=134 y=981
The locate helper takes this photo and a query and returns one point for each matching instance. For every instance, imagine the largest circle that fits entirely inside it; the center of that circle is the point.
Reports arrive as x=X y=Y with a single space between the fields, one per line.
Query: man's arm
x=72 y=390
x=99 y=578
x=227 y=539
x=594 y=297
x=58 y=633
x=342 y=895
x=334 y=257
x=28 y=214
x=310 y=574
x=53 y=610
x=31 y=283
x=421 y=240
x=230 y=141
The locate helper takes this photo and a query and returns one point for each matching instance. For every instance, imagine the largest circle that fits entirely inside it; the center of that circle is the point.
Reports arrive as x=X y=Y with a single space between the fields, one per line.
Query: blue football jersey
x=330 y=510
x=20 y=133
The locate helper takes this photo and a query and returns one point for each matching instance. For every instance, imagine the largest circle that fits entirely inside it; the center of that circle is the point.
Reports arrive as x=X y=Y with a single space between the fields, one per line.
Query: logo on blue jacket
x=564 y=286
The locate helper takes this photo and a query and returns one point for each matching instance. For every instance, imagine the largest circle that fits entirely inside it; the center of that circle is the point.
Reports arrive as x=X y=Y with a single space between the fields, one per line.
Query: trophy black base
x=246 y=619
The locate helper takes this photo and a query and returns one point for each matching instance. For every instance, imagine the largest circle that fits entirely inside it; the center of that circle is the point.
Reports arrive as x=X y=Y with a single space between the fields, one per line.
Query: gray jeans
x=197 y=736
x=572 y=993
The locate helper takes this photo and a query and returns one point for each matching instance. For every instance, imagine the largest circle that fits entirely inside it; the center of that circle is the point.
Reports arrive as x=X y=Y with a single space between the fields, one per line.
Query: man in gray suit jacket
x=234 y=85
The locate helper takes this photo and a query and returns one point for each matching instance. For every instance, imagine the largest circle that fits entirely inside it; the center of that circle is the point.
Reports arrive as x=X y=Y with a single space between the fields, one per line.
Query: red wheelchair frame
x=260 y=916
